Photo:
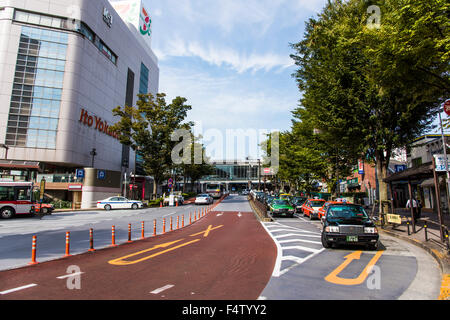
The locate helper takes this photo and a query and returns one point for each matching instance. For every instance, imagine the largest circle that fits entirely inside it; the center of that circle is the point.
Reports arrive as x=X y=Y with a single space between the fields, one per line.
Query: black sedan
x=348 y=224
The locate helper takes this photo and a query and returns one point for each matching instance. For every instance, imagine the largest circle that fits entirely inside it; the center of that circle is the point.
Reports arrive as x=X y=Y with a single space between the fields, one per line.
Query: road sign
x=360 y=167
x=80 y=173
x=101 y=174
x=447 y=107
x=440 y=162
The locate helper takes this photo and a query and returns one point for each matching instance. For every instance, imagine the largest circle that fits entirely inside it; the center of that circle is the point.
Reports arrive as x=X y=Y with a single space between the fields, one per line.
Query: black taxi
x=348 y=224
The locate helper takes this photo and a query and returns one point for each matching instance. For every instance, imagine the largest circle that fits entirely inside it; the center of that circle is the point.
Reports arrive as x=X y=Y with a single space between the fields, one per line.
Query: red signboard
x=447 y=107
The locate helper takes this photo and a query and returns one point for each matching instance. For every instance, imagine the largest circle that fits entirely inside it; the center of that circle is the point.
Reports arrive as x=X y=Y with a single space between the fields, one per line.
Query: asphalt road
x=16 y=234
x=306 y=271
x=224 y=255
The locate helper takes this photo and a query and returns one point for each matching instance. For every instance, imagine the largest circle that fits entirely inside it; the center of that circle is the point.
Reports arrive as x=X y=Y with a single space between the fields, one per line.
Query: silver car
x=203 y=199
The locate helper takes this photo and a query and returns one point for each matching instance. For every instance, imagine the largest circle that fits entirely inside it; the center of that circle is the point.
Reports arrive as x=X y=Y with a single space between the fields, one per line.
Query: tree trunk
x=155 y=189
x=381 y=175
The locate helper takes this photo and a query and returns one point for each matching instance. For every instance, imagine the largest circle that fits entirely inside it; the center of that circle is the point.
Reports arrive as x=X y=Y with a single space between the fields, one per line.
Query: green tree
x=372 y=89
x=148 y=128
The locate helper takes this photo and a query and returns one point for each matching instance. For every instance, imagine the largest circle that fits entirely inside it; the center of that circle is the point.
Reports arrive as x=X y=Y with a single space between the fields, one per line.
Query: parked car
x=177 y=198
x=323 y=209
x=47 y=208
x=348 y=224
x=297 y=203
x=203 y=199
x=311 y=208
x=119 y=203
x=281 y=207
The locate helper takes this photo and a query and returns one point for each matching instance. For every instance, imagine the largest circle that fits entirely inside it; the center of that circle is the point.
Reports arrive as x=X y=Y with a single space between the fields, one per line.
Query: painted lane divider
x=69 y=275
x=18 y=288
x=157 y=291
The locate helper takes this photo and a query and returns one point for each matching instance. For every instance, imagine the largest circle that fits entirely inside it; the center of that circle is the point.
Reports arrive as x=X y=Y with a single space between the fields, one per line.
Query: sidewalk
x=428 y=238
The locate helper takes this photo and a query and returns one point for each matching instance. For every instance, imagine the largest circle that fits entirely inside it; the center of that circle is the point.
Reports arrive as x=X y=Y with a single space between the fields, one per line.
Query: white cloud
x=224 y=56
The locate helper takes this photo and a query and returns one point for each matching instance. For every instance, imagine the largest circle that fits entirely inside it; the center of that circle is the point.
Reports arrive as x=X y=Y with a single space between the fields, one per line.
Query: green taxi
x=280 y=207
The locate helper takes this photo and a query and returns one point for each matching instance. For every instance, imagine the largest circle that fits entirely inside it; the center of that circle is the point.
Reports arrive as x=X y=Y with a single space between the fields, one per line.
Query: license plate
x=352 y=238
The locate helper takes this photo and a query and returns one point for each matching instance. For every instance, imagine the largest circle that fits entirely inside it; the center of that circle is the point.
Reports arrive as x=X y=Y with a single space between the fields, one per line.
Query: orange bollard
x=33 y=252
x=171 y=224
x=113 y=237
x=161 y=204
x=178 y=222
x=176 y=203
x=164 y=225
x=91 y=240
x=154 y=228
x=129 y=233
x=182 y=221
x=67 y=245
x=190 y=217
x=142 y=230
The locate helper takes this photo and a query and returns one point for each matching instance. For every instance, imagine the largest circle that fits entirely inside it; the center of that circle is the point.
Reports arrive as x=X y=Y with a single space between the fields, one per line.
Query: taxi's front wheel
x=107 y=207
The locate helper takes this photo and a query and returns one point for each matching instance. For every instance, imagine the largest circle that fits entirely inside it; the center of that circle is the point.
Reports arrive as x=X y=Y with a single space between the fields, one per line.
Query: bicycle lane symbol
x=124 y=261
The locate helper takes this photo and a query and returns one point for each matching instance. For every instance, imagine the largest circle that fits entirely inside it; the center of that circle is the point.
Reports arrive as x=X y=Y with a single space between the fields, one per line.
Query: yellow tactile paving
x=445 y=288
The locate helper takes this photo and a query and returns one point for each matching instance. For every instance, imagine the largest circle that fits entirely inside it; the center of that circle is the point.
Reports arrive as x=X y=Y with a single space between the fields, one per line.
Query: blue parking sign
x=101 y=174
x=80 y=173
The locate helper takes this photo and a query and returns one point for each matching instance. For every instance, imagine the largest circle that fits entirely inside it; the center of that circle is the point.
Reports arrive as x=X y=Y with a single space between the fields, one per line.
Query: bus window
x=23 y=193
x=6 y=193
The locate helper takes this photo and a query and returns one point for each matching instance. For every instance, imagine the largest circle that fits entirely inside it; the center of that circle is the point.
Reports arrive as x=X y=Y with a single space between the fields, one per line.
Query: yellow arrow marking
x=121 y=262
x=334 y=278
x=206 y=232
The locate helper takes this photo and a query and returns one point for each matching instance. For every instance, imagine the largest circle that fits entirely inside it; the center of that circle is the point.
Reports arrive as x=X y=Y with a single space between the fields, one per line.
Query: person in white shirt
x=416 y=208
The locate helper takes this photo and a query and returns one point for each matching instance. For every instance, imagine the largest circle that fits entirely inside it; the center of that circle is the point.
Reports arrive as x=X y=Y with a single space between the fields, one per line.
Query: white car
x=204 y=199
x=119 y=203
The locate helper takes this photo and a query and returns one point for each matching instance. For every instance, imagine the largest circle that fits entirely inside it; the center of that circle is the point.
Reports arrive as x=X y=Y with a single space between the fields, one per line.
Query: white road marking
x=296 y=235
x=169 y=214
x=157 y=291
x=219 y=214
x=239 y=215
x=300 y=248
x=19 y=288
x=70 y=275
x=299 y=240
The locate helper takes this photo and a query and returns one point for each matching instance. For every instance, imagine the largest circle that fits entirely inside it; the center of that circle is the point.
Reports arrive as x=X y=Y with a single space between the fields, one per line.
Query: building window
x=143 y=82
x=417 y=162
x=37 y=89
x=67 y=24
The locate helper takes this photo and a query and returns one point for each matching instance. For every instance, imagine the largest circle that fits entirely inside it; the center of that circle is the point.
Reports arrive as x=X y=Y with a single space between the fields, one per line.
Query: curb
x=438 y=256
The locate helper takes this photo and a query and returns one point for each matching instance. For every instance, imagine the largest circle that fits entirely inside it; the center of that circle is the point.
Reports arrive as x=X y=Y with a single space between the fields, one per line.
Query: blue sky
x=230 y=59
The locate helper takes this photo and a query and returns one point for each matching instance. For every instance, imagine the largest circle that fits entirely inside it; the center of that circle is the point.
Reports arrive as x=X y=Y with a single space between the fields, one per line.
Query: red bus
x=16 y=198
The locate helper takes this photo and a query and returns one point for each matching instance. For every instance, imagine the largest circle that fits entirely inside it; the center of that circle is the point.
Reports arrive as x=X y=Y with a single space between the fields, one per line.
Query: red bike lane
x=226 y=255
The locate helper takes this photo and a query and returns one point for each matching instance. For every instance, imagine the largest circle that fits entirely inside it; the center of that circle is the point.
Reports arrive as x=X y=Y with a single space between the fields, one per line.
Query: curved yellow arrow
x=334 y=278
x=122 y=262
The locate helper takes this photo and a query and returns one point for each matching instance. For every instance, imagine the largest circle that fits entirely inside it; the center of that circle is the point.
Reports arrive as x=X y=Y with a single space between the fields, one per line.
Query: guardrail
x=260 y=208
x=445 y=242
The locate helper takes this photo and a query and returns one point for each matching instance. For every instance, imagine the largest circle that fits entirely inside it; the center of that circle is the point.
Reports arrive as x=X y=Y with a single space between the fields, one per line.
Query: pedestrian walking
x=415 y=207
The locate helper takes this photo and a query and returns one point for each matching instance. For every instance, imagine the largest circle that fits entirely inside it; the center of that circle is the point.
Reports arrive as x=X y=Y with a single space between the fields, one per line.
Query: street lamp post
x=93 y=154
x=259 y=174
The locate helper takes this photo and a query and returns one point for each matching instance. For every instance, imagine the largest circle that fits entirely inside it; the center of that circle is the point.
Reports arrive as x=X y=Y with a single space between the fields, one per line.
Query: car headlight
x=332 y=229
x=370 y=230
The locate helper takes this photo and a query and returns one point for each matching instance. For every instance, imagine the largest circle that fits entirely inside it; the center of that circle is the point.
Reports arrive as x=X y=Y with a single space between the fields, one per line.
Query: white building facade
x=64 y=66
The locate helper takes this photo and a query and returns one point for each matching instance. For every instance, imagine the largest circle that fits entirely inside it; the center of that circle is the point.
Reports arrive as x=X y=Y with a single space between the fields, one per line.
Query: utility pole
x=444 y=147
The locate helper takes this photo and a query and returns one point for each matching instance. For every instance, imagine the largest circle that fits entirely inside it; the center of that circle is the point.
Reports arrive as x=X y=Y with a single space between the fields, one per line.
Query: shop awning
x=19 y=165
x=425 y=171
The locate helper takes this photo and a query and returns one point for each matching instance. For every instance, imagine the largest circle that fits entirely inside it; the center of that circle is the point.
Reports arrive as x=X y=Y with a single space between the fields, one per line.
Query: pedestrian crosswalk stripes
x=295 y=246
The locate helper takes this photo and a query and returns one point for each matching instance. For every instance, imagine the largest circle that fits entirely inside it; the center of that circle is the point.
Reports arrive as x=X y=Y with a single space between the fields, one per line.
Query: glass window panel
x=34 y=18
x=34 y=122
x=56 y=22
x=21 y=16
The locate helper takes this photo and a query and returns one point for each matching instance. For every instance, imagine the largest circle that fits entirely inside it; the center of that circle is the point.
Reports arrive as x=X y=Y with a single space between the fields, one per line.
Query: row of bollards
x=197 y=216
